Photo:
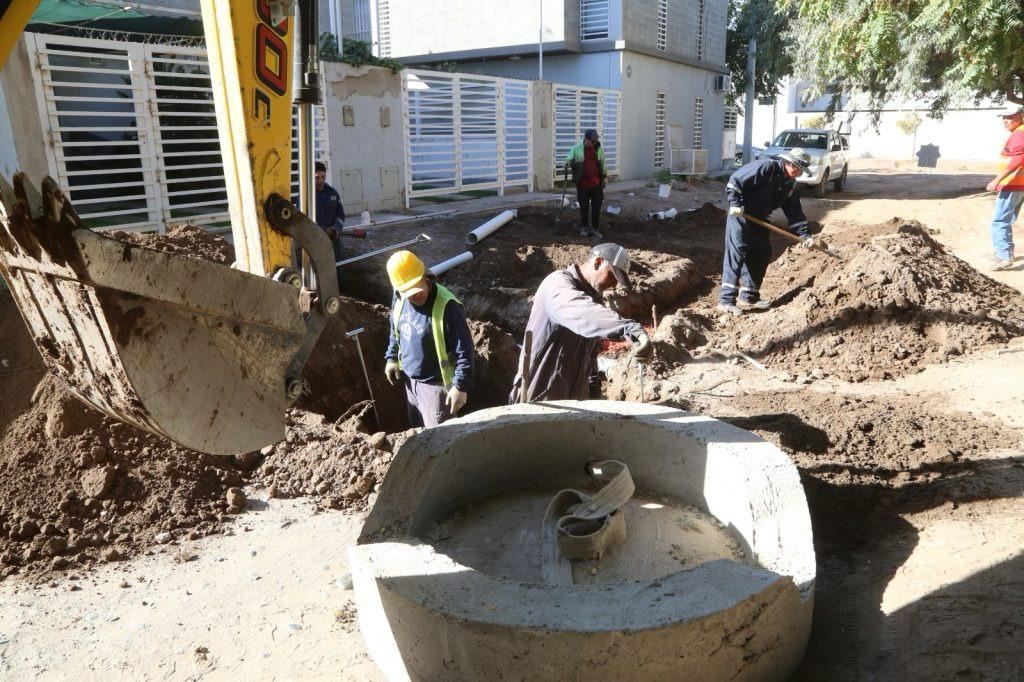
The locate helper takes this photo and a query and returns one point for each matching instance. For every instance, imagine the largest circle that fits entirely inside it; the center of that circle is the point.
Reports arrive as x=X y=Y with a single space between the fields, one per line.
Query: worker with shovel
x=567 y=323
x=430 y=343
x=757 y=189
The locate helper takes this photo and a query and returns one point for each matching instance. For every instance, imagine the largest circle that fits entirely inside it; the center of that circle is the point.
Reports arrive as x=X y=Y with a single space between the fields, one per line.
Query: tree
x=908 y=125
x=816 y=122
x=940 y=52
x=765 y=21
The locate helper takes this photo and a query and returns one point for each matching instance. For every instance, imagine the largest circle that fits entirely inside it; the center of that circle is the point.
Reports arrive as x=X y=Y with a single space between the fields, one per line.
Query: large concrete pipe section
x=714 y=581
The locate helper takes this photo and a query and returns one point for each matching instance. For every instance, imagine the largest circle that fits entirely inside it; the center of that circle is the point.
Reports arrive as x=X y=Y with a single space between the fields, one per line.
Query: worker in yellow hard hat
x=430 y=343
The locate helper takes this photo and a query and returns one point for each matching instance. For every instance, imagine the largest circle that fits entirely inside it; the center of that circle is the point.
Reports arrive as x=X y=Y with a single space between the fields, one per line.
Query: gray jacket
x=568 y=322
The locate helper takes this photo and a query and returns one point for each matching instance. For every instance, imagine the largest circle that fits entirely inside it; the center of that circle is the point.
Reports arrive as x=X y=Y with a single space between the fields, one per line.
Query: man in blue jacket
x=757 y=189
x=430 y=343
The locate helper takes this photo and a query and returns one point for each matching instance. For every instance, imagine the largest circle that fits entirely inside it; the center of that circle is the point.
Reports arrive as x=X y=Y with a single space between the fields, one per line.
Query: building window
x=659 y=131
x=594 y=19
x=731 y=118
x=698 y=123
x=662 y=25
x=362 y=27
x=700 y=29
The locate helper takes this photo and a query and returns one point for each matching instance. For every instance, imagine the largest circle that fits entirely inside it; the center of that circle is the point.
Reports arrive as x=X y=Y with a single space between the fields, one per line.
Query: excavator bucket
x=180 y=347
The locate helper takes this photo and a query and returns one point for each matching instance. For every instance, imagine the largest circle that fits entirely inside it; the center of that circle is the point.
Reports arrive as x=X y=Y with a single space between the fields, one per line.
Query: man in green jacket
x=586 y=160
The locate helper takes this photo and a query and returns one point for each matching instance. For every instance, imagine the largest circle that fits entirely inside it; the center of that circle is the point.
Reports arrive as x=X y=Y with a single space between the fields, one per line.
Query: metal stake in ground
x=640 y=369
x=354 y=335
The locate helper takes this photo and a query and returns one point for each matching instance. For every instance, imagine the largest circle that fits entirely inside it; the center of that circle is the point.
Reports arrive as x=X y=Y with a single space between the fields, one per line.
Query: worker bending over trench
x=568 y=321
x=430 y=343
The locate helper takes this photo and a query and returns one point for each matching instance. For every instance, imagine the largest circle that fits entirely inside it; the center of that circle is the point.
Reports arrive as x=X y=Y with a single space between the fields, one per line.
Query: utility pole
x=748 y=115
x=540 y=45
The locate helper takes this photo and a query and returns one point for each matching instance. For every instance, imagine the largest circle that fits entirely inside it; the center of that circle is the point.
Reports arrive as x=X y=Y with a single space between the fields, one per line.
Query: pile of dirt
x=77 y=487
x=898 y=301
x=340 y=462
x=185 y=240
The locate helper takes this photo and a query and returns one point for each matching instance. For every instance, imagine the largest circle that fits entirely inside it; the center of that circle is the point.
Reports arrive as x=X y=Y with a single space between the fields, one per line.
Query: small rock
x=344 y=582
x=97 y=482
x=125 y=584
x=818 y=373
x=26 y=530
x=268 y=450
x=273 y=491
x=322 y=488
x=111 y=554
x=98 y=454
x=29 y=555
x=59 y=563
x=246 y=460
x=379 y=440
x=55 y=547
x=236 y=498
x=787 y=377
x=234 y=510
x=163 y=538
x=50 y=529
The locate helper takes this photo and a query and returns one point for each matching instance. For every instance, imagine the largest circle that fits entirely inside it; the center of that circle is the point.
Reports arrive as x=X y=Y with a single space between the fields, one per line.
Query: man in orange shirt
x=1009 y=188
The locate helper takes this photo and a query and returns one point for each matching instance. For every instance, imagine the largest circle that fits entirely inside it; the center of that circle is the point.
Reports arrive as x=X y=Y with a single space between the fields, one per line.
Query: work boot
x=1002 y=264
x=730 y=308
x=762 y=304
x=584 y=231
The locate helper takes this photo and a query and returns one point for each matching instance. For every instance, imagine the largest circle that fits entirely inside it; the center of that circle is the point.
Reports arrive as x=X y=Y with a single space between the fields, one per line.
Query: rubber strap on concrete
x=578 y=527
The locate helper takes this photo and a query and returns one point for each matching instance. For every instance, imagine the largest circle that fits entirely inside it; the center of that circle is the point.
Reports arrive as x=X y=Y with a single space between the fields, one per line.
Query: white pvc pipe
x=447 y=265
x=490 y=226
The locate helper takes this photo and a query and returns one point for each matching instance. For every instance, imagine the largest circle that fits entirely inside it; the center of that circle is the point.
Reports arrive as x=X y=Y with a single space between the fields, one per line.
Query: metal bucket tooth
x=183 y=348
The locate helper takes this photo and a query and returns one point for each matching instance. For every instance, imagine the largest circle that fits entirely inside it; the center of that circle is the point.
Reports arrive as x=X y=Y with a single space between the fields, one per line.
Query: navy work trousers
x=747 y=254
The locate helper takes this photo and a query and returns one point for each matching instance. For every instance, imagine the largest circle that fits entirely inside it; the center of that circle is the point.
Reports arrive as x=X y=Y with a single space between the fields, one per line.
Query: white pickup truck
x=829 y=156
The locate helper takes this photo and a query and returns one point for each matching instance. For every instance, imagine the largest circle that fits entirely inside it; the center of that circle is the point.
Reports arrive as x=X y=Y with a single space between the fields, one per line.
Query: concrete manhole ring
x=716 y=580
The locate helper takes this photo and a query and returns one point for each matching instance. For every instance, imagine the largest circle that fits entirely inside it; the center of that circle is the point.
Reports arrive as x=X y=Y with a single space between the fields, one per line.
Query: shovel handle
x=788 y=235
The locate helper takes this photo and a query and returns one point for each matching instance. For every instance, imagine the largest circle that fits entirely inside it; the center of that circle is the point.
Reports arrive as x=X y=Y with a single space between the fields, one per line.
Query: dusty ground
x=914 y=481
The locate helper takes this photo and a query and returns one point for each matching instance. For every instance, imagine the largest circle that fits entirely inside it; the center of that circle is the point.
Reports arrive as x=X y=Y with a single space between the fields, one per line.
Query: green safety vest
x=437 y=325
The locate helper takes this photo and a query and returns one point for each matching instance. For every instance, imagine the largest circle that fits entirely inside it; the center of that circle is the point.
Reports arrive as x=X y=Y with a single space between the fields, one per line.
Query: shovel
x=824 y=248
x=561 y=204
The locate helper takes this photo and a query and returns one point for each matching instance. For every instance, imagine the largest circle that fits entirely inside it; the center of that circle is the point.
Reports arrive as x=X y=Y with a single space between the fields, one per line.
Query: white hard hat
x=1011 y=110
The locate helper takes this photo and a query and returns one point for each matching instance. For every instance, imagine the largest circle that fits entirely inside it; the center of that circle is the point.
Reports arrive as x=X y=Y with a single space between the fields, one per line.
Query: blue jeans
x=1008 y=204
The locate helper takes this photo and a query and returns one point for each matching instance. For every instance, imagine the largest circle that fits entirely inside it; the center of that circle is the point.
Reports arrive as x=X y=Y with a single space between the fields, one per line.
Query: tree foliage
x=766 y=21
x=940 y=52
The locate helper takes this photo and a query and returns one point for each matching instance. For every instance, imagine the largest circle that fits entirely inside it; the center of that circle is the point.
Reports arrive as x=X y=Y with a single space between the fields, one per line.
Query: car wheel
x=819 y=189
x=840 y=182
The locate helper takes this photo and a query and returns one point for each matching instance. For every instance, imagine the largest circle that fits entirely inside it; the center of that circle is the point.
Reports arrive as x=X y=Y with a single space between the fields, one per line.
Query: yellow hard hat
x=405 y=271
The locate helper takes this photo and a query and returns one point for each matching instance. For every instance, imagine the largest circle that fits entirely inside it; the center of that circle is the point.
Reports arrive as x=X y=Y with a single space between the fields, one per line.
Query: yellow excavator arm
x=205 y=355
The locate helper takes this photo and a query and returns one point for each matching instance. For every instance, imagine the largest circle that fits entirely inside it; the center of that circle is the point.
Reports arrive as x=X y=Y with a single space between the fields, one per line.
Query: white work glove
x=642 y=347
x=456 y=400
x=809 y=243
x=736 y=210
x=392 y=372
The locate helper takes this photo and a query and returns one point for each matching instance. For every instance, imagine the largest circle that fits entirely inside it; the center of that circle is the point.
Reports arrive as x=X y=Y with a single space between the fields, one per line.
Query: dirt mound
x=185 y=240
x=896 y=303
x=339 y=462
x=77 y=487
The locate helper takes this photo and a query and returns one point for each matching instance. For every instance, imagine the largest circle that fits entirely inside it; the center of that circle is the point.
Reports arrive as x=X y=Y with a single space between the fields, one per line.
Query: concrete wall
x=439 y=30
x=640 y=25
x=643 y=78
x=367 y=157
x=27 y=150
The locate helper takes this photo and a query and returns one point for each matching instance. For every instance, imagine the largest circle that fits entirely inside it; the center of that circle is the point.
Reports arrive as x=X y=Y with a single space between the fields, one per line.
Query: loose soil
x=914 y=503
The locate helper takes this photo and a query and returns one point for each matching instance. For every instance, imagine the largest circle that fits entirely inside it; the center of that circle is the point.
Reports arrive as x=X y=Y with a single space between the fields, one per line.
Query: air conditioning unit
x=723 y=84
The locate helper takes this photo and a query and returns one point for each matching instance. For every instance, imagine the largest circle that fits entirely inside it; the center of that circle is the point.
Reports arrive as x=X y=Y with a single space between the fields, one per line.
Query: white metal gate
x=132 y=131
x=466 y=132
x=578 y=109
